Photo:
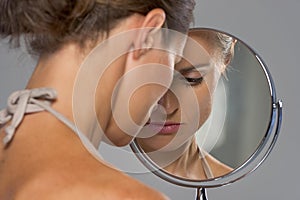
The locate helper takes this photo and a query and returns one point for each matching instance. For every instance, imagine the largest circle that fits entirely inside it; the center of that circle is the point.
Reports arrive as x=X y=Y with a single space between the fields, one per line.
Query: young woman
x=41 y=157
x=186 y=106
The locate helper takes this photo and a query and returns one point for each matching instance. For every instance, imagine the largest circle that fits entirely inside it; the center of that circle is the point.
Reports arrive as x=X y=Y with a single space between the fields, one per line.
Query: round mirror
x=218 y=120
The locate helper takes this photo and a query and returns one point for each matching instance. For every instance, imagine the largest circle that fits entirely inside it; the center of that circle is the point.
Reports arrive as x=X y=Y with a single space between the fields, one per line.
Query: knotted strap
x=32 y=101
x=22 y=102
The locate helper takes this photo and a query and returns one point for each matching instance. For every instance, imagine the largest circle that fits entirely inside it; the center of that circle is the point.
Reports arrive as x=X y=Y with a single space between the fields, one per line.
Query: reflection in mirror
x=216 y=112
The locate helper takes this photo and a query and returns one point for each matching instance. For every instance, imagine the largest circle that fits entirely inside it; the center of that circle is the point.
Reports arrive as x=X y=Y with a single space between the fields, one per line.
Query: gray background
x=272 y=28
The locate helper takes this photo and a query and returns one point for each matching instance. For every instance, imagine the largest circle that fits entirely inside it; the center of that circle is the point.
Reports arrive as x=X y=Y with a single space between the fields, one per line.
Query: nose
x=170 y=102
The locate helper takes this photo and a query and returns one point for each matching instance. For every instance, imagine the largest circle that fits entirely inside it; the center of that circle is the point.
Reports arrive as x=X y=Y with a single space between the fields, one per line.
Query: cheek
x=204 y=97
x=205 y=94
x=195 y=108
x=213 y=79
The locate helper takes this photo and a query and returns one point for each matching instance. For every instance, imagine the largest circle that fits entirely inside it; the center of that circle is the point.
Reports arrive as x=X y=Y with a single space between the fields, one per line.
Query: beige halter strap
x=24 y=102
x=205 y=165
x=32 y=101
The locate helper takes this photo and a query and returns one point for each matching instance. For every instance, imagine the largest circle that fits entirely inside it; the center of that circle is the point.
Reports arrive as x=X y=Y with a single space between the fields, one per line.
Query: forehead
x=197 y=51
x=203 y=38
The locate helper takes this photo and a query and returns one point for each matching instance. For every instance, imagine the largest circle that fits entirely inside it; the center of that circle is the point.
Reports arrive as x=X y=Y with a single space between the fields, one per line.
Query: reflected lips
x=164 y=128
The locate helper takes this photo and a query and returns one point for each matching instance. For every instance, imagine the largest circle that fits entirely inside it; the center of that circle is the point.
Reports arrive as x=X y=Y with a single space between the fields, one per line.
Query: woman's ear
x=145 y=39
x=228 y=60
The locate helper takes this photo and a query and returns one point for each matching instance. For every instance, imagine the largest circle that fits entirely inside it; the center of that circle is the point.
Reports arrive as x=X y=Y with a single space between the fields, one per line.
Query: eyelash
x=194 y=81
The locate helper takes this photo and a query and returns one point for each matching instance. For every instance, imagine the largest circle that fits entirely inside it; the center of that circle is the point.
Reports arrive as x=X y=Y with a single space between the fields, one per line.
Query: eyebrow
x=193 y=67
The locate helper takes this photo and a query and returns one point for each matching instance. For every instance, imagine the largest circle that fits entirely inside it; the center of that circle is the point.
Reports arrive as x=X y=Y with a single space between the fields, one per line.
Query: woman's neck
x=188 y=165
x=58 y=71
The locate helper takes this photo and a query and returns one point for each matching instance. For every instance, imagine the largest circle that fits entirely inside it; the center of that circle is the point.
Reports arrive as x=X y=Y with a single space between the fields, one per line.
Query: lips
x=164 y=128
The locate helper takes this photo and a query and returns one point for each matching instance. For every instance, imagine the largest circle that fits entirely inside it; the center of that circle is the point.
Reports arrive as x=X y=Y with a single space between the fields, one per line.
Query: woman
x=41 y=157
x=185 y=108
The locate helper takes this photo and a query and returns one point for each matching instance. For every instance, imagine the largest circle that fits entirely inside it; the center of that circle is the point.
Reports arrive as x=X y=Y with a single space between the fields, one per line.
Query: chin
x=121 y=143
x=153 y=144
x=116 y=137
x=117 y=141
x=164 y=143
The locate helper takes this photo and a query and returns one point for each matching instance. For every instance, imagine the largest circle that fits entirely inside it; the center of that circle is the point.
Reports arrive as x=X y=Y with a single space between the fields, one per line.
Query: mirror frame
x=252 y=163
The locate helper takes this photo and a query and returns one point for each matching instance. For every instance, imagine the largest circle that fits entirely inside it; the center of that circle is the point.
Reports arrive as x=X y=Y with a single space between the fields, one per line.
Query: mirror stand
x=201 y=194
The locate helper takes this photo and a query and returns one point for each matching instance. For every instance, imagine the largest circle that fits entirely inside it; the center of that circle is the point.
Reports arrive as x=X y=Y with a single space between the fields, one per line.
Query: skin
x=183 y=159
x=46 y=160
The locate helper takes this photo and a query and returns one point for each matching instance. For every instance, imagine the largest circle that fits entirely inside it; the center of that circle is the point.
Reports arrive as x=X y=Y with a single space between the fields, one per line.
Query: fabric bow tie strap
x=24 y=102
x=36 y=100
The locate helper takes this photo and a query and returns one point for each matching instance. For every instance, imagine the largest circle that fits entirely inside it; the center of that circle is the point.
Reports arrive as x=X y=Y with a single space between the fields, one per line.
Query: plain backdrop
x=272 y=28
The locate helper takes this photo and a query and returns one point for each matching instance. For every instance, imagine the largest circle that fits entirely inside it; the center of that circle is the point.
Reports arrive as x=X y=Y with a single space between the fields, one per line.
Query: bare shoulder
x=121 y=186
x=110 y=184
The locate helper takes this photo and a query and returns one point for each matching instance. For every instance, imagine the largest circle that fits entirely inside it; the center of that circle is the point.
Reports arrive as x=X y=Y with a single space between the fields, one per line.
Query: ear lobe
x=144 y=41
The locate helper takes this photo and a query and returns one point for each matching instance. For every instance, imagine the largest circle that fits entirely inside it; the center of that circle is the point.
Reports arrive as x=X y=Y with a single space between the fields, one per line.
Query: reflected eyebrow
x=193 y=67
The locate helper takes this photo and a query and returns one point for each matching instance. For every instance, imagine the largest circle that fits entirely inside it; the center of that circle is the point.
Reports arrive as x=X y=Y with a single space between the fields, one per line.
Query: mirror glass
x=216 y=112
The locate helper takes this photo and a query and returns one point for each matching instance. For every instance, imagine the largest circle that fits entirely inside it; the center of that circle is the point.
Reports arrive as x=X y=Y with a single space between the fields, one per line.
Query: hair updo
x=221 y=43
x=46 y=25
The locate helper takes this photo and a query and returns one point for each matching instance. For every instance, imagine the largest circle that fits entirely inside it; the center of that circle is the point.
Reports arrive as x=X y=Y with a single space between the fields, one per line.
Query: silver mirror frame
x=252 y=163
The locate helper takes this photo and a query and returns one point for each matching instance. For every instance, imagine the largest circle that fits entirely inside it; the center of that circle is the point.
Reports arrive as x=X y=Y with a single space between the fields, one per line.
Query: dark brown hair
x=46 y=25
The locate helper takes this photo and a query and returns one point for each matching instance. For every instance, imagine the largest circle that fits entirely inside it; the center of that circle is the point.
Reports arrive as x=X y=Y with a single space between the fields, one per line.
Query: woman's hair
x=222 y=44
x=226 y=46
x=46 y=25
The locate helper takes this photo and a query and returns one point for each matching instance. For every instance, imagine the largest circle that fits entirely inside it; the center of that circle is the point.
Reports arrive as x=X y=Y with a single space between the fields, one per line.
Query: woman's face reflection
x=186 y=105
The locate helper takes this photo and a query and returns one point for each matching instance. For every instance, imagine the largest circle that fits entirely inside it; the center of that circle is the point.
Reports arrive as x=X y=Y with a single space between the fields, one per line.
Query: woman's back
x=36 y=166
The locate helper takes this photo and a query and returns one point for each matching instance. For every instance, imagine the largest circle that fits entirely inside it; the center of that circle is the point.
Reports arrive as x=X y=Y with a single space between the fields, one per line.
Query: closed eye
x=194 y=81
x=193 y=75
